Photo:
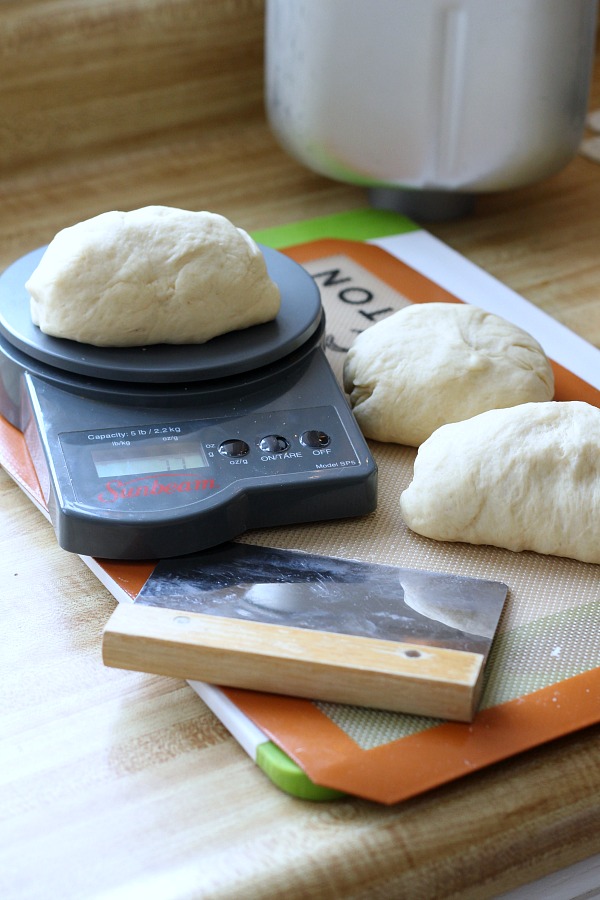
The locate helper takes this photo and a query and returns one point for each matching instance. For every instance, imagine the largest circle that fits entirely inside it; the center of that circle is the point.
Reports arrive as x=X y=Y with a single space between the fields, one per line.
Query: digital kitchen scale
x=159 y=451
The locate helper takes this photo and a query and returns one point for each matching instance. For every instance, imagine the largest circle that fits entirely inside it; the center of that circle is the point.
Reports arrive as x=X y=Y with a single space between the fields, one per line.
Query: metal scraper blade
x=313 y=626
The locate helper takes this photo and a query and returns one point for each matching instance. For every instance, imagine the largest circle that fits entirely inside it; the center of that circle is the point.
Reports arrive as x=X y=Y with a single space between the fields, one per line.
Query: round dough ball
x=433 y=363
x=525 y=478
x=150 y=276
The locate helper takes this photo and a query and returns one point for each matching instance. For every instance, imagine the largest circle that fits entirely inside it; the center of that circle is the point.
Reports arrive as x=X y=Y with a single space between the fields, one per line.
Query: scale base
x=169 y=481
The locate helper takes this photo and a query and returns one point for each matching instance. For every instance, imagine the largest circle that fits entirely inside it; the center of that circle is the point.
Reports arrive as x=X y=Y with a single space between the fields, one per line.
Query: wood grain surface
x=121 y=785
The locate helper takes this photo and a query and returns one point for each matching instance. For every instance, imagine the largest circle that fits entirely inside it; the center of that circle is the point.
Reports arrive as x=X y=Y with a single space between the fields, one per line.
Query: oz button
x=314 y=439
x=234 y=447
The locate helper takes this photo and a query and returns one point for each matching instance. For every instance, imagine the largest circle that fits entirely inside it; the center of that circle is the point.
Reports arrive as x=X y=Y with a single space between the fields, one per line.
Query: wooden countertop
x=122 y=785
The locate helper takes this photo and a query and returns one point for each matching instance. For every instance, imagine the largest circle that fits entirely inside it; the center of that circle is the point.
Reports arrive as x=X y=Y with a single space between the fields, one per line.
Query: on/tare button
x=233 y=447
x=315 y=439
x=274 y=443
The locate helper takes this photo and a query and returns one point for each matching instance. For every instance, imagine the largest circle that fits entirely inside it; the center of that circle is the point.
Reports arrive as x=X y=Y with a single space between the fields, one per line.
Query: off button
x=315 y=439
x=234 y=447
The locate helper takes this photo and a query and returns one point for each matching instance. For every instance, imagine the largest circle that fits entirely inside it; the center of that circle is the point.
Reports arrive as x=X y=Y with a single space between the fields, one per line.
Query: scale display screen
x=141 y=459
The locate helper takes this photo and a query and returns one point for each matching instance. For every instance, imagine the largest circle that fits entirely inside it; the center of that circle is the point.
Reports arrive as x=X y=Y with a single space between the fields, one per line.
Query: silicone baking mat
x=543 y=676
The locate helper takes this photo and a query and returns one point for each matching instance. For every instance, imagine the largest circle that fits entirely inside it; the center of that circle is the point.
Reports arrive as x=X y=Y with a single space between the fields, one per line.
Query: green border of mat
x=354 y=225
x=288 y=775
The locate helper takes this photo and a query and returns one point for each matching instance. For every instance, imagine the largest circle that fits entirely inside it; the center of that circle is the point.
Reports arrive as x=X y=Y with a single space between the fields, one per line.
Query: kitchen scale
x=159 y=451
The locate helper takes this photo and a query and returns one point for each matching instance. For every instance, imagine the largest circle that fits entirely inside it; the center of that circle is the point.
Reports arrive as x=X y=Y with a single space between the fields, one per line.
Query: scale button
x=274 y=443
x=234 y=447
x=315 y=439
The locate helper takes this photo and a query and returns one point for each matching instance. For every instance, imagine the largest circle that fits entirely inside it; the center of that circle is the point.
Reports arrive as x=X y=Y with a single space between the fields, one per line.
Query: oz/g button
x=234 y=447
x=314 y=439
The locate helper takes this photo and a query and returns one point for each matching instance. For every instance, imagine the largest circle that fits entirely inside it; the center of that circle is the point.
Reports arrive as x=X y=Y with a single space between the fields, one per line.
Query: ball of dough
x=150 y=276
x=433 y=363
x=525 y=478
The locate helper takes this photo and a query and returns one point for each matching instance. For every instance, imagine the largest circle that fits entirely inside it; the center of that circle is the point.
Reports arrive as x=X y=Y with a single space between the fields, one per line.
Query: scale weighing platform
x=159 y=451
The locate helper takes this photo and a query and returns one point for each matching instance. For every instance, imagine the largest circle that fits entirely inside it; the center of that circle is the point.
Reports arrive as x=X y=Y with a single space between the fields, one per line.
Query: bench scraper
x=311 y=626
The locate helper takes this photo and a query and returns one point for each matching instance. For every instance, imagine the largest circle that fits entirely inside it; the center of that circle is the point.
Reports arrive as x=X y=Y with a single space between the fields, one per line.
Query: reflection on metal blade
x=303 y=590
